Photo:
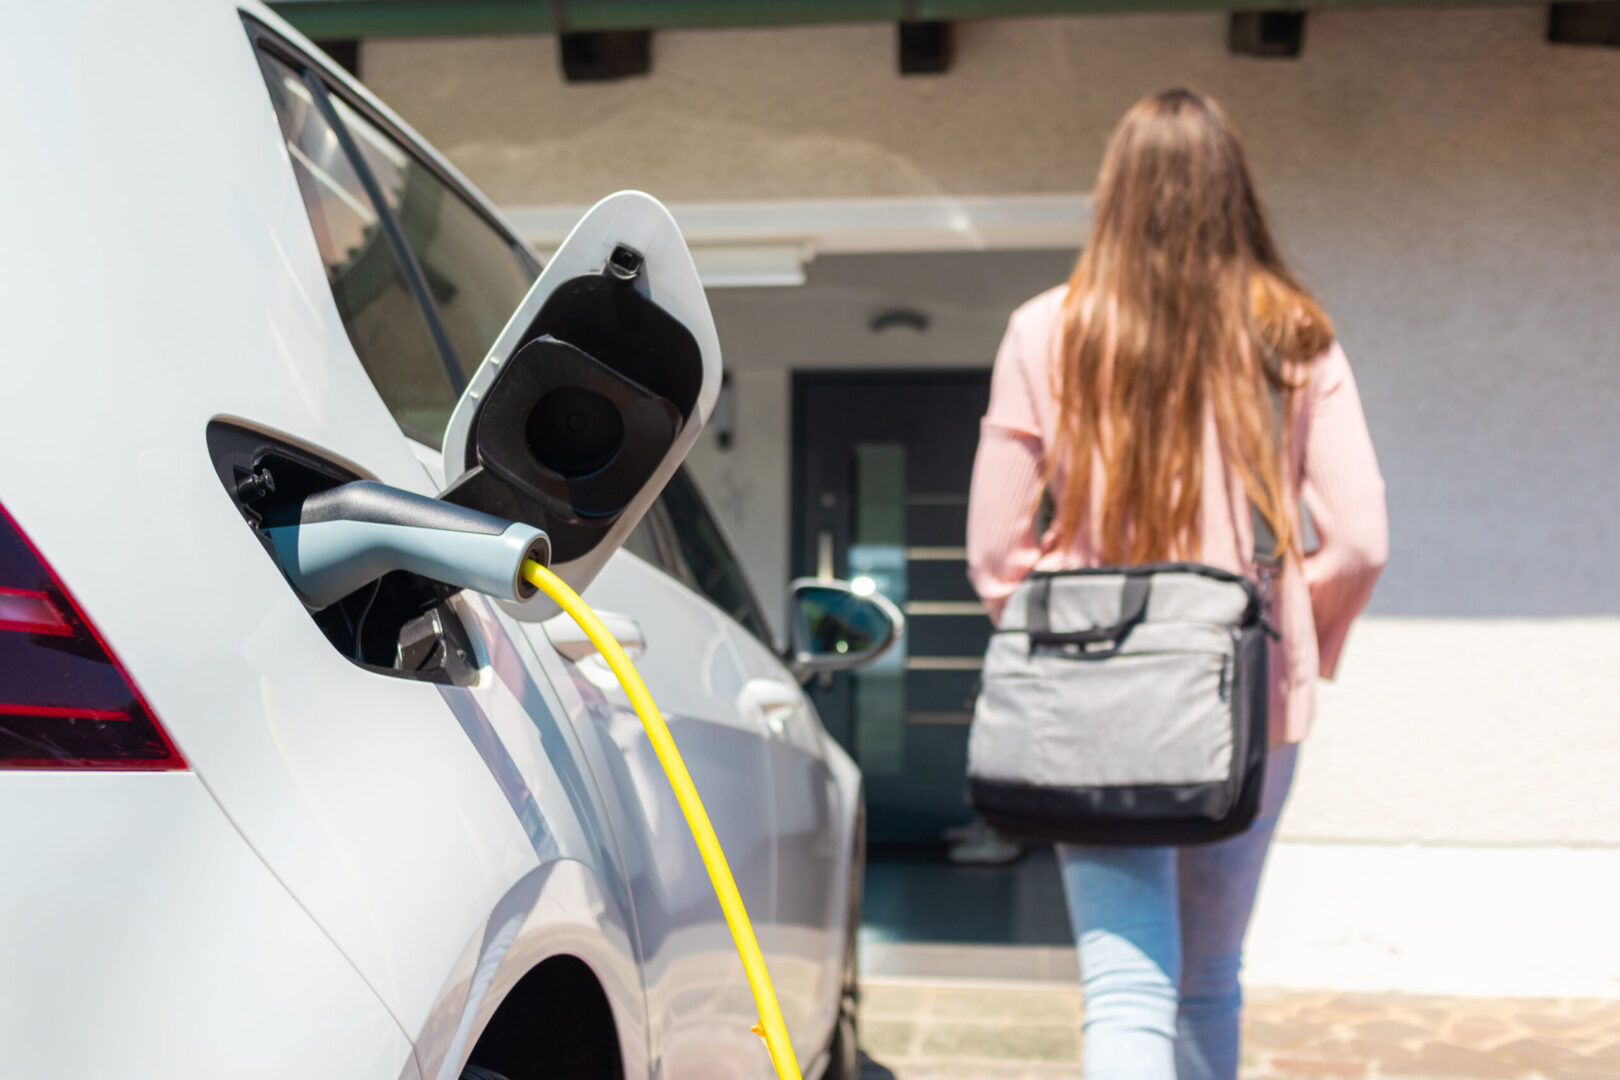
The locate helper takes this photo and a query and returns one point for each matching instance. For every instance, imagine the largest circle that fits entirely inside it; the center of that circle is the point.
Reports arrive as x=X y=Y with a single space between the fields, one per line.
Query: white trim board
x=1468 y=922
x=768 y=242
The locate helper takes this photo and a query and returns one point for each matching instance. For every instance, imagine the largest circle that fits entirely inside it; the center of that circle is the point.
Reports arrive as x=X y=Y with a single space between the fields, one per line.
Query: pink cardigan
x=1332 y=467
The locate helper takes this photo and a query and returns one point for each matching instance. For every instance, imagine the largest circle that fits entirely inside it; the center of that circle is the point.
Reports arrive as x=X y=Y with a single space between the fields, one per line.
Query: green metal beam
x=341 y=19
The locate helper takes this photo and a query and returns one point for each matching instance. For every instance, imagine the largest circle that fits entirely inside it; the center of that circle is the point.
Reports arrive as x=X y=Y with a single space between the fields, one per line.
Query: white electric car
x=415 y=833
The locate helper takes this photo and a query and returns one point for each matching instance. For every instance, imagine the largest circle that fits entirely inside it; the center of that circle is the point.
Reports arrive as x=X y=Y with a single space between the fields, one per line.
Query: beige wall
x=1394 y=100
x=1449 y=183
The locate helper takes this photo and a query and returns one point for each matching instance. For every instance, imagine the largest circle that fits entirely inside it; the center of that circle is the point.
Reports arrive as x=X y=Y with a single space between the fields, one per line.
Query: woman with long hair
x=1181 y=375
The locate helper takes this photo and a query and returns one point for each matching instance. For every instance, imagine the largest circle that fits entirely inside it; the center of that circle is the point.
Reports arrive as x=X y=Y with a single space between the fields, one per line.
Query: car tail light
x=65 y=701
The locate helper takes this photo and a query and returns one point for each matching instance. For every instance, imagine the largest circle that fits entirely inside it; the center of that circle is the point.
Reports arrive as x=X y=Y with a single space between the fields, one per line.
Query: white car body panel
x=553 y=911
x=292 y=771
x=805 y=934
x=161 y=925
x=695 y=1010
x=357 y=865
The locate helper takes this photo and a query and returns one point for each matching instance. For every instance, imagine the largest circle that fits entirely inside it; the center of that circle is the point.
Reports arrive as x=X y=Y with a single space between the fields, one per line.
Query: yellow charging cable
x=770 y=1025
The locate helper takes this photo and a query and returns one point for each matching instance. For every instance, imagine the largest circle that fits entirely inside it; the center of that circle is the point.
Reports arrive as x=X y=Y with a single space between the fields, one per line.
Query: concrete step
x=915 y=1028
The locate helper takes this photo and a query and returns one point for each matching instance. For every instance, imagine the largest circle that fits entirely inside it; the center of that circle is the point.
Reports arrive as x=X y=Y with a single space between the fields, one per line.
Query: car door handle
x=775 y=701
x=569 y=640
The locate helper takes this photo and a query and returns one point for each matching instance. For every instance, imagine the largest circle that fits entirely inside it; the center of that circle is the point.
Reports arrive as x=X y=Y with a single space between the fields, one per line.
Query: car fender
x=850 y=792
x=559 y=909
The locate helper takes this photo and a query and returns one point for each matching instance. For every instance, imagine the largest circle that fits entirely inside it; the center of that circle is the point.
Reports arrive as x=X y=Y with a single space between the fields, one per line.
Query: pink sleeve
x=1008 y=475
x=1344 y=492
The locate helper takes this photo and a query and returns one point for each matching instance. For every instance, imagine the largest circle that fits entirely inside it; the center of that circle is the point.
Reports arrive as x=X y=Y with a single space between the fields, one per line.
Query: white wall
x=747 y=486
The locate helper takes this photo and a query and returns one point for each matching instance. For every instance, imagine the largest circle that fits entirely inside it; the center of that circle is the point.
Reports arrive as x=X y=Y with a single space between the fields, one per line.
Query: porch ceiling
x=340 y=19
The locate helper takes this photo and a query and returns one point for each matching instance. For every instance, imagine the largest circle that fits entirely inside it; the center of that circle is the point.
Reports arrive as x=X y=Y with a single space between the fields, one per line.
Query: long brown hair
x=1179 y=305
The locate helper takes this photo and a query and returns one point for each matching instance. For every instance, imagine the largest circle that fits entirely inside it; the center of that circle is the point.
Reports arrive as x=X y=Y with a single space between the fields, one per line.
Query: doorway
x=882 y=462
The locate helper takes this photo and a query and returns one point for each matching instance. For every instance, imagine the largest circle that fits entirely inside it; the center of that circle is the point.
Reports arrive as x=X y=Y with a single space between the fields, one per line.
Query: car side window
x=475 y=275
x=707 y=562
x=647 y=541
x=655 y=540
x=423 y=281
x=387 y=327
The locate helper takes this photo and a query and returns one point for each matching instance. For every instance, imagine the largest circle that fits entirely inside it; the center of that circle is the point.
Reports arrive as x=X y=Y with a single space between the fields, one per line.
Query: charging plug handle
x=351 y=535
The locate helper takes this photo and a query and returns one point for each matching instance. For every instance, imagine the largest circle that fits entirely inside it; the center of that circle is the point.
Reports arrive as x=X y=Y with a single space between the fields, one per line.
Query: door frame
x=799 y=554
x=835 y=701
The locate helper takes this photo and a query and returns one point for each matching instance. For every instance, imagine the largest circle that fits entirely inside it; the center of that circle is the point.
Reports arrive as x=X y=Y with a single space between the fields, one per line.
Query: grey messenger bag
x=1126 y=705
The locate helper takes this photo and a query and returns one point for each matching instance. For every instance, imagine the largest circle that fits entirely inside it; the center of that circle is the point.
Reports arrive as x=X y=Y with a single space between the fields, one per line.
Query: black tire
x=844 y=1054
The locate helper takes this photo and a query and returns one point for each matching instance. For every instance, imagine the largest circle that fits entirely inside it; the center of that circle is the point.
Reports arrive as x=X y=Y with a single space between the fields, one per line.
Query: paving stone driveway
x=946 y=1029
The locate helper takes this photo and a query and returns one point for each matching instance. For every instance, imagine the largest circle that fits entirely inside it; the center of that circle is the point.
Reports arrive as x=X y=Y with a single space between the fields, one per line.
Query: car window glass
x=644 y=542
x=474 y=273
x=387 y=327
x=711 y=567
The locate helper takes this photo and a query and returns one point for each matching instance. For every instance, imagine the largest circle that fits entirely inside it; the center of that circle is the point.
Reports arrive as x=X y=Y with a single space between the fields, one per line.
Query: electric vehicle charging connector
x=353 y=534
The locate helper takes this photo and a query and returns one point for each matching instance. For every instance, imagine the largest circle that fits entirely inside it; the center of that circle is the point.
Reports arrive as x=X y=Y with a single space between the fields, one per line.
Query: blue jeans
x=1160 y=932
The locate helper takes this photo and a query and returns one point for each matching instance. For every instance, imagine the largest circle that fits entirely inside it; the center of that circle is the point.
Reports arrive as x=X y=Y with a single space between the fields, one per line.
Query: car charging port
x=400 y=624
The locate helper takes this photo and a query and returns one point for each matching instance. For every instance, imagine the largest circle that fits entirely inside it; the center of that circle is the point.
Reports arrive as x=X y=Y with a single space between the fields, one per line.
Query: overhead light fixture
x=743 y=266
x=1269 y=34
x=926 y=48
x=899 y=318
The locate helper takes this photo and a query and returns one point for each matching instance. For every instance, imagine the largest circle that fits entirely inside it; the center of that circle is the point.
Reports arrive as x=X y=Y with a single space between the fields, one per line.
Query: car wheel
x=844 y=1055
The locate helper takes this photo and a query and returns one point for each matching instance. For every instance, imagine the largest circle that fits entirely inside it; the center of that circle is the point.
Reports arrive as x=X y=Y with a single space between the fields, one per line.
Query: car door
x=802 y=936
x=699 y=1007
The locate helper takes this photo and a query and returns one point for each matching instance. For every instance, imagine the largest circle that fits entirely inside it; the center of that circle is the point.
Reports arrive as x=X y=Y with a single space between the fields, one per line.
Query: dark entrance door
x=881 y=469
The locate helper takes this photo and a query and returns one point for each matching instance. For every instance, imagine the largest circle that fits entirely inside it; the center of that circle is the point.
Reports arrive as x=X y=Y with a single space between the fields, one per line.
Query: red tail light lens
x=65 y=701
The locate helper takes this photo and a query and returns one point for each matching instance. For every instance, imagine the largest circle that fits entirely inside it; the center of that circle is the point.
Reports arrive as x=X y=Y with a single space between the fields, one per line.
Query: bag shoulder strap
x=1265 y=553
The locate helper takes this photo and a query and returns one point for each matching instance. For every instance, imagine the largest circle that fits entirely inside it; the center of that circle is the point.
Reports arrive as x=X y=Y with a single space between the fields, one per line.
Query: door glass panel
x=877 y=551
x=474 y=272
x=389 y=332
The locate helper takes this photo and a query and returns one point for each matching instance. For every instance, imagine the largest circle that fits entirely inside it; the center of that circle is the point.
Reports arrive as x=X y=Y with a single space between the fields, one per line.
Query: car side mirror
x=832 y=627
x=593 y=393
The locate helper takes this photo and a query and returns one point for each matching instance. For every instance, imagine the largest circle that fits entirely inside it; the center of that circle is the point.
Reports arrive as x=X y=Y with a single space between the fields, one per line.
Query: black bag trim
x=1165 y=815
